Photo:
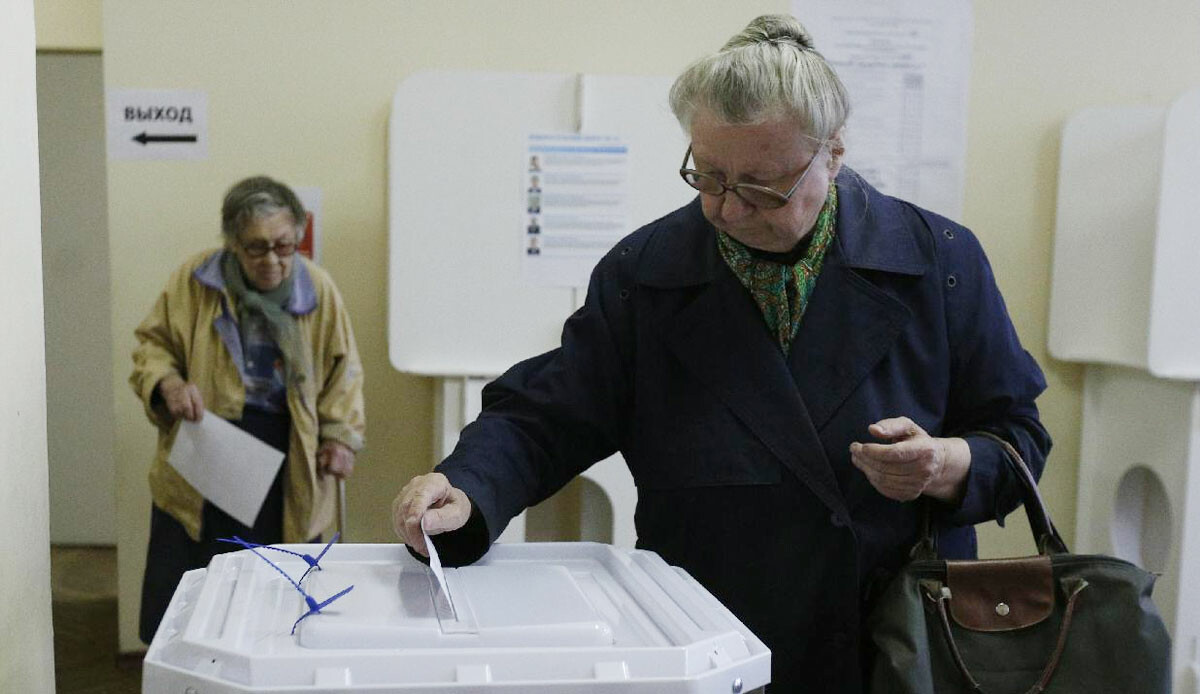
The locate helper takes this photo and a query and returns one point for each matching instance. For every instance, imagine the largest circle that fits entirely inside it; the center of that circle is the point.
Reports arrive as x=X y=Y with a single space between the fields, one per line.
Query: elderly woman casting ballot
x=787 y=364
x=258 y=335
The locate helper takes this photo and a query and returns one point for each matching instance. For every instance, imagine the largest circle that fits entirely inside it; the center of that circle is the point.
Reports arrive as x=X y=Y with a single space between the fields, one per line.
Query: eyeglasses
x=753 y=195
x=257 y=249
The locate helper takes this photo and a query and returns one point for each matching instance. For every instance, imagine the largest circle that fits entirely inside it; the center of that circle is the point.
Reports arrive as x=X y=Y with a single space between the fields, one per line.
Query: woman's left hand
x=334 y=458
x=912 y=463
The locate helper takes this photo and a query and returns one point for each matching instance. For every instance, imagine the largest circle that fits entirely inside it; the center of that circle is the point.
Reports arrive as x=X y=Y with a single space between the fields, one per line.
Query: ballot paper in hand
x=435 y=563
x=229 y=467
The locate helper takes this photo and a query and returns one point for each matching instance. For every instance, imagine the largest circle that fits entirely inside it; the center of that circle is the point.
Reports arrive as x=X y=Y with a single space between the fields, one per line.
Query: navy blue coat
x=740 y=454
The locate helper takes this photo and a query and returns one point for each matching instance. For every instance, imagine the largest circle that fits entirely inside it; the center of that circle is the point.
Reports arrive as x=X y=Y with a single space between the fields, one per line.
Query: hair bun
x=773 y=28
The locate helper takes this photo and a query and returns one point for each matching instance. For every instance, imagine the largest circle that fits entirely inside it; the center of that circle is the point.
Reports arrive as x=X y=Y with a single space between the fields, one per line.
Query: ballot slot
x=453 y=611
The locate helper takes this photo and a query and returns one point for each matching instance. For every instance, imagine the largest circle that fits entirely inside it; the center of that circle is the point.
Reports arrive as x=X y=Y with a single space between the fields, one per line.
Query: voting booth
x=482 y=171
x=1124 y=302
x=529 y=617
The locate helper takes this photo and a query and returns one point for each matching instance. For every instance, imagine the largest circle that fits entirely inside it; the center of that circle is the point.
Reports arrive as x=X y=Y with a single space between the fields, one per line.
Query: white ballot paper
x=229 y=467
x=435 y=563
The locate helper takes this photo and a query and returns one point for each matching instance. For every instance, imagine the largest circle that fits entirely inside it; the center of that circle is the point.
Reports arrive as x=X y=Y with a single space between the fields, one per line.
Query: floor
x=83 y=585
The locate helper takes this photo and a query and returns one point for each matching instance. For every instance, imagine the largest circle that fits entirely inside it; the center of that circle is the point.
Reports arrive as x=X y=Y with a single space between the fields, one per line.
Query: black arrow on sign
x=144 y=138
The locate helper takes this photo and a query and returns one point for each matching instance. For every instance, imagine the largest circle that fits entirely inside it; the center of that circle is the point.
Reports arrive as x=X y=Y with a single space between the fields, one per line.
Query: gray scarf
x=270 y=305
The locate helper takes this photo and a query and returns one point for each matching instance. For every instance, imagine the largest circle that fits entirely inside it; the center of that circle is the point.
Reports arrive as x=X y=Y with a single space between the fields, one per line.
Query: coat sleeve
x=993 y=382
x=549 y=418
x=340 y=408
x=161 y=350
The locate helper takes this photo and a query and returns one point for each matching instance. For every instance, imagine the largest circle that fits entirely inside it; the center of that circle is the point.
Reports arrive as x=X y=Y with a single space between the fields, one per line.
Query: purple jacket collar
x=304 y=294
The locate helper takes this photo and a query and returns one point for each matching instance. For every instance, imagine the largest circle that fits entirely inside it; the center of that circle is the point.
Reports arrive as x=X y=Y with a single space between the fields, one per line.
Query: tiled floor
x=83 y=584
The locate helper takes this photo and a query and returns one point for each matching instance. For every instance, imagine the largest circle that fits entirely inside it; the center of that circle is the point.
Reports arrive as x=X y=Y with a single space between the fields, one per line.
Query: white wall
x=79 y=407
x=26 y=645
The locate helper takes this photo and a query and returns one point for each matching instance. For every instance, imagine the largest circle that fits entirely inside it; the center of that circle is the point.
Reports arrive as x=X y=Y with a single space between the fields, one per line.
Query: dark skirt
x=171 y=552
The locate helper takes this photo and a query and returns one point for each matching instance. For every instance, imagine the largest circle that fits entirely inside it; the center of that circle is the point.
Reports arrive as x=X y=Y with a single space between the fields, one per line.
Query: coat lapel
x=721 y=338
x=849 y=325
x=850 y=322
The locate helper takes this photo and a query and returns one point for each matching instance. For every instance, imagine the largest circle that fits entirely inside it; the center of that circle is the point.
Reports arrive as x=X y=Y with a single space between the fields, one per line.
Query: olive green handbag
x=1053 y=622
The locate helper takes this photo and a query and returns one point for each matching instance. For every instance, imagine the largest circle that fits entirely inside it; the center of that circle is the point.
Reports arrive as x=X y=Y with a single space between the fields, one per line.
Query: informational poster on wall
x=310 y=198
x=906 y=64
x=574 y=201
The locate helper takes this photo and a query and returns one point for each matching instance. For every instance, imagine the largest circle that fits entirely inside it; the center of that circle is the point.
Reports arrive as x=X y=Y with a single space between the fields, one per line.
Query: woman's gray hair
x=255 y=198
x=770 y=69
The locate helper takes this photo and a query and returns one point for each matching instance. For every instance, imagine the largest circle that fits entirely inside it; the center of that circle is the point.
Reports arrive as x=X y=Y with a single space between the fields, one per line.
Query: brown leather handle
x=938 y=593
x=1044 y=533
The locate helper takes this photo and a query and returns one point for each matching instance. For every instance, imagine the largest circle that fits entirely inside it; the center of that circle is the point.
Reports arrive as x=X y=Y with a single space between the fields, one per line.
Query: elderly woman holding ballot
x=258 y=335
x=787 y=364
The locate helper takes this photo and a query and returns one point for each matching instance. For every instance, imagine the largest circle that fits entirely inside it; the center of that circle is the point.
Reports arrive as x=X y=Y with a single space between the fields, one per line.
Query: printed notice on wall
x=156 y=124
x=906 y=65
x=310 y=199
x=574 y=203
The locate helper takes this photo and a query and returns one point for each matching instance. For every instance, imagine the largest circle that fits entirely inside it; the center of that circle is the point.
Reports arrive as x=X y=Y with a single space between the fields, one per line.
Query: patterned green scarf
x=782 y=291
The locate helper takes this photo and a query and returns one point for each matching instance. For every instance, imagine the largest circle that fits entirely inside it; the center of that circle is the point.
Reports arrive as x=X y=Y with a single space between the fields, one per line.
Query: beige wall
x=26 y=645
x=1034 y=64
x=301 y=90
x=67 y=25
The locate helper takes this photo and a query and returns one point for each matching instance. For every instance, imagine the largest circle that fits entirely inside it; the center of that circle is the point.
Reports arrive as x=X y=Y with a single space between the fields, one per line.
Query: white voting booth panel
x=1124 y=301
x=1139 y=494
x=1125 y=246
x=536 y=617
x=459 y=308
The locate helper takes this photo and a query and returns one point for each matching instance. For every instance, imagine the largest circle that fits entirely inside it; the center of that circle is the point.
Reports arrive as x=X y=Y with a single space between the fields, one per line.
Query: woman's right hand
x=433 y=499
x=182 y=399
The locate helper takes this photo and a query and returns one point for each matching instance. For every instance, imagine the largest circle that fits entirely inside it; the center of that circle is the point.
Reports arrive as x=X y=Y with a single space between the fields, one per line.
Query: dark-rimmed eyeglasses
x=258 y=249
x=751 y=194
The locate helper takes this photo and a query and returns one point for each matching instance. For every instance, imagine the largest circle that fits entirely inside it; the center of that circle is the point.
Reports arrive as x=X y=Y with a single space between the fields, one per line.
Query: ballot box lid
x=534 y=617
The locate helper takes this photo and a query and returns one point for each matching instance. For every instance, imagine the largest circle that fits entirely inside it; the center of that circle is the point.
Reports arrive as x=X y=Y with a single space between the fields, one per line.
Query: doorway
x=78 y=320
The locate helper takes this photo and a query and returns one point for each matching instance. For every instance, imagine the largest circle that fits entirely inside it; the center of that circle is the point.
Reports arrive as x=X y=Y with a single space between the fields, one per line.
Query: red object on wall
x=306 y=246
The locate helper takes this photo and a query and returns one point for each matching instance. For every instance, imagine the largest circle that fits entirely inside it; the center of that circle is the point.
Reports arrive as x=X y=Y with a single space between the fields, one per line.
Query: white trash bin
x=536 y=617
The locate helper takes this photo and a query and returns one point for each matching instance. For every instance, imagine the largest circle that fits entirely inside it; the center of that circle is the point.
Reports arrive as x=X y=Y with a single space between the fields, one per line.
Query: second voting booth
x=1124 y=303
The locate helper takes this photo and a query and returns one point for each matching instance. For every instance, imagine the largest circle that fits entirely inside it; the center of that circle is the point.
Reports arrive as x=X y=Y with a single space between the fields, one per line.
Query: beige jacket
x=192 y=331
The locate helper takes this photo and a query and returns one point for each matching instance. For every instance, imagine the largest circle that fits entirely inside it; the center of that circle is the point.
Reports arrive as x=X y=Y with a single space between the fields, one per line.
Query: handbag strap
x=1045 y=534
x=939 y=594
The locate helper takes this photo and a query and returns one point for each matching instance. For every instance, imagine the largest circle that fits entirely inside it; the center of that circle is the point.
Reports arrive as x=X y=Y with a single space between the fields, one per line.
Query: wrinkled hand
x=912 y=463
x=335 y=458
x=443 y=507
x=182 y=399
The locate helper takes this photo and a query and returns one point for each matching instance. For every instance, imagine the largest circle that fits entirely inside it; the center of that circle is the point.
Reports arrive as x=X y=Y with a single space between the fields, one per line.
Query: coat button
x=837 y=521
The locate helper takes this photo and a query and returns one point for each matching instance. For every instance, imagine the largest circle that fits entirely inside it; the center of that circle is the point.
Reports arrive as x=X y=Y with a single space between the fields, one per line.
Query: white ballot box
x=533 y=617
